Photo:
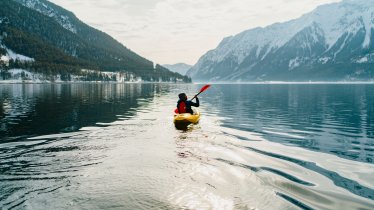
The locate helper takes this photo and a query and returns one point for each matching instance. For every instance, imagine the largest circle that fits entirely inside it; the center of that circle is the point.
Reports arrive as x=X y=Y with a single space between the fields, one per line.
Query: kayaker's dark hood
x=182 y=97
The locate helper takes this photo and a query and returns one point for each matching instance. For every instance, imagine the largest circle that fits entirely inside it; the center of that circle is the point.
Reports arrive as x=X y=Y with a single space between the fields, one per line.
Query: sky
x=174 y=31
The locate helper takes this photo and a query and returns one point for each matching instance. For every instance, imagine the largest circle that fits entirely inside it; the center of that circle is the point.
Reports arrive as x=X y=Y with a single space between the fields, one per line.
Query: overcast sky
x=172 y=31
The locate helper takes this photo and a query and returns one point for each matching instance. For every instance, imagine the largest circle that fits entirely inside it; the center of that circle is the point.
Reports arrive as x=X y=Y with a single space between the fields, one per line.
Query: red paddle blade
x=176 y=111
x=204 y=88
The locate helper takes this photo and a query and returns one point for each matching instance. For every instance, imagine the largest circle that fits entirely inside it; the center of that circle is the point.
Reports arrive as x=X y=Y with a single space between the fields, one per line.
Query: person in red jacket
x=184 y=105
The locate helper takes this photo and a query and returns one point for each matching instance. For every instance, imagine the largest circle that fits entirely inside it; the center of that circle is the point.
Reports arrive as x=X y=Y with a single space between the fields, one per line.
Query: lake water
x=257 y=146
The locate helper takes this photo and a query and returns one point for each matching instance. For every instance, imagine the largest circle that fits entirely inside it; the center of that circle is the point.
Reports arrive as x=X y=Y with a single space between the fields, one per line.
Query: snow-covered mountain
x=333 y=42
x=180 y=68
x=52 y=11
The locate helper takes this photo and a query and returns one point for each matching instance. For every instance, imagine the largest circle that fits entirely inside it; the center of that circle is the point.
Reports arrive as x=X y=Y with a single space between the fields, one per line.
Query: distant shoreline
x=287 y=83
x=5 y=82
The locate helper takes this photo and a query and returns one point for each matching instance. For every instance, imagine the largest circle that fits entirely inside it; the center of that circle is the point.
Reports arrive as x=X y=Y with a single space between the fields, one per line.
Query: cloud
x=171 y=31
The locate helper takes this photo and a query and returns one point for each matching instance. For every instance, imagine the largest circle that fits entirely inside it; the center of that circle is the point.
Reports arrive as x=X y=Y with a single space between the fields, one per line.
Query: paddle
x=201 y=90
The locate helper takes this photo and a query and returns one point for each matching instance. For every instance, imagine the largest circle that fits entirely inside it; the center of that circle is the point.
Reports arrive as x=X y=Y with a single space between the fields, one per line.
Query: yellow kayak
x=187 y=118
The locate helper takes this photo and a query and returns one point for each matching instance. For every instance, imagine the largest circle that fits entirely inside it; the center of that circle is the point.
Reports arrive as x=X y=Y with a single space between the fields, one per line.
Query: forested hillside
x=60 y=43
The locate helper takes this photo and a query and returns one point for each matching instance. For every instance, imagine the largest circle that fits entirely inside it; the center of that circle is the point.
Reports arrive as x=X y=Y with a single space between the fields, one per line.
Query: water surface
x=114 y=146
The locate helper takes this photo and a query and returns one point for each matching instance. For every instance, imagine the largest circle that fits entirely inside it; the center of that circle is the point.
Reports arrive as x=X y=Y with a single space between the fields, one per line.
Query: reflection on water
x=336 y=119
x=114 y=146
x=44 y=109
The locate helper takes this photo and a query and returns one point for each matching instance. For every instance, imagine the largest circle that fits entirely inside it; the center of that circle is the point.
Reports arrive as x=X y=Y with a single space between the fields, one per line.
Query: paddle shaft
x=196 y=96
x=202 y=90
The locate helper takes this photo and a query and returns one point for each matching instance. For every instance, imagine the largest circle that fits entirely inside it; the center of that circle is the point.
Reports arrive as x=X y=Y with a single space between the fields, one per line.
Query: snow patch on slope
x=324 y=60
x=369 y=58
x=294 y=63
x=19 y=57
x=369 y=24
x=3 y=19
x=41 y=7
x=363 y=60
x=11 y=55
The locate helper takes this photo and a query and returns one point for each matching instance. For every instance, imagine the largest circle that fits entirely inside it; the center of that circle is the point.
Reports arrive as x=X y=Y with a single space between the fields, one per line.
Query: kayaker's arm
x=197 y=104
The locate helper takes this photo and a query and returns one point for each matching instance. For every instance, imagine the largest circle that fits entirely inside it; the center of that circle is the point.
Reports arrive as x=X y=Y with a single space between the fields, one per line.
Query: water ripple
x=272 y=170
x=348 y=184
x=294 y=201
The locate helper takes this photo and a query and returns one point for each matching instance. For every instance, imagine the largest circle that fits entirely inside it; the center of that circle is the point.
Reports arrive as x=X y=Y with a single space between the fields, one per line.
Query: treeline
x=52 y=72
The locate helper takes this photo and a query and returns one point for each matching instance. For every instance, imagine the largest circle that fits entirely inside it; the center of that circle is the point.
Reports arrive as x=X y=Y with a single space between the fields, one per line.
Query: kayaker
x=184 y=105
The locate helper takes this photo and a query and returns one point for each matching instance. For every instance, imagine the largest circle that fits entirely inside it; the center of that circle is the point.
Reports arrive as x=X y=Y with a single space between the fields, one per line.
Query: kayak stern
x=187 y=118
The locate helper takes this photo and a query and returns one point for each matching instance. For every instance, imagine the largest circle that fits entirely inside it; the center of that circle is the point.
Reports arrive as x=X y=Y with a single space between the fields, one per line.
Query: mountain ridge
x=180 y=68
x=298 y=49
